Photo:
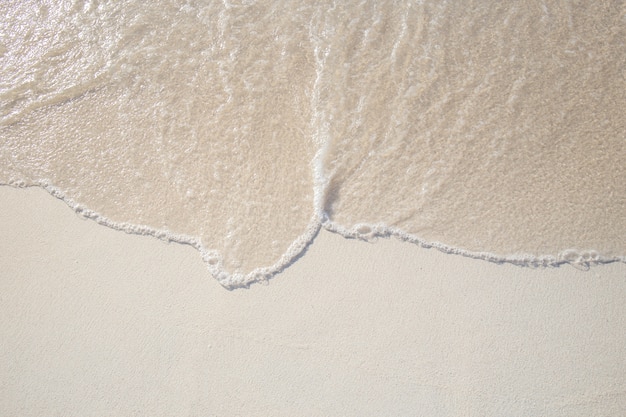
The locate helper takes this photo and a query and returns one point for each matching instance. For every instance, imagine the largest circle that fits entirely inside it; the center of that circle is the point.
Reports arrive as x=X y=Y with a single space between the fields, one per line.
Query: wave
x=580 y=259
x=243 y=130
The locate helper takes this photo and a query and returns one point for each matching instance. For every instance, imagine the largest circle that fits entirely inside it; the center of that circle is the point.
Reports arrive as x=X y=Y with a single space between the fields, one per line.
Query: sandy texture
x=489 y=127
x=97 y=322
x=191 y=122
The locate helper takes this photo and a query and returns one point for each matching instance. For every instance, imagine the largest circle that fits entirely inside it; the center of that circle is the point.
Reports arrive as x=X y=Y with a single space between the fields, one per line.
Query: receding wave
x=489 y=130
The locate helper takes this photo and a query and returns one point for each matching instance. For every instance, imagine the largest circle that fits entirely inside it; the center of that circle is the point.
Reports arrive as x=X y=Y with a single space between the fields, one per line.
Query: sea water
x=495 y=130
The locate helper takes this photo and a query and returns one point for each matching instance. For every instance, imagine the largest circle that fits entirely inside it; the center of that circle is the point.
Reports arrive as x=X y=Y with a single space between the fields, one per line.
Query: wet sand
x=489 y=129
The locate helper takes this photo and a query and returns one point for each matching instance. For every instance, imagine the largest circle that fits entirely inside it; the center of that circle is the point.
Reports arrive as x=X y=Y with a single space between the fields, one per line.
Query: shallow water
x=496 y=131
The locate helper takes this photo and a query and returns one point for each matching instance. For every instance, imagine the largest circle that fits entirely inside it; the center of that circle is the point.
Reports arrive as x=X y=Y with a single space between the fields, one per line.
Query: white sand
x=98 y=322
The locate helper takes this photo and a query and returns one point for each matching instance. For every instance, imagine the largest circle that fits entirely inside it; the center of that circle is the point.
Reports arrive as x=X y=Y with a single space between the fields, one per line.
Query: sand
x=98 y=322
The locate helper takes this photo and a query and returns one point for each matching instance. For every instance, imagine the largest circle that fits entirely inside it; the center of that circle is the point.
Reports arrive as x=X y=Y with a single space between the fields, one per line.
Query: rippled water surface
x=491 y=129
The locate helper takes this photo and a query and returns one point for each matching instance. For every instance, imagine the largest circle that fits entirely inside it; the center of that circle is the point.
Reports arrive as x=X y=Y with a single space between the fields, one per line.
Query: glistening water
x=492 y=129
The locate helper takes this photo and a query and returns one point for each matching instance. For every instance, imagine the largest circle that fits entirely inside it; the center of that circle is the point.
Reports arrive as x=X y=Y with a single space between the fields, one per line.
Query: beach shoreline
x=99 y=322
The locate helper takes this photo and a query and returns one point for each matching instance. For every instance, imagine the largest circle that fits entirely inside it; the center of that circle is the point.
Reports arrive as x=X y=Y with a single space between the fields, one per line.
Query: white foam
x=211 y=257
x=580 y=259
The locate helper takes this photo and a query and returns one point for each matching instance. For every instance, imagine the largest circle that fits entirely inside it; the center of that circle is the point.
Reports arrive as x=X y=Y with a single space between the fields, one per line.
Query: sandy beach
x=243 y=133
x=98 y=322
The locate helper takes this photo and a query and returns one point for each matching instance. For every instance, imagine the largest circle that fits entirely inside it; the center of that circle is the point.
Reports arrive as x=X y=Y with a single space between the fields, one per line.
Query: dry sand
x=98 y=322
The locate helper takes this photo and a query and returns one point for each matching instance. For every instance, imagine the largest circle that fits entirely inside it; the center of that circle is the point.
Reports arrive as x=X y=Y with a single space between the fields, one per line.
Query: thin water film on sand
x=481 y=128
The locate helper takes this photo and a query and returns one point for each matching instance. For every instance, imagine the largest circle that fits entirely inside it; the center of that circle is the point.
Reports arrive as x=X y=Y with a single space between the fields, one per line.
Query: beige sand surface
x=98 y=322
